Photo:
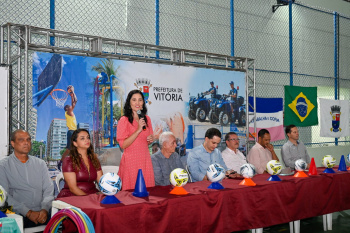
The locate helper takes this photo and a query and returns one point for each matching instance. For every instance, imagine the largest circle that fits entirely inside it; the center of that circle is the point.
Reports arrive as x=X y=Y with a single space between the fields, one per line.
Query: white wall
x=319 y=152
x=339 y=6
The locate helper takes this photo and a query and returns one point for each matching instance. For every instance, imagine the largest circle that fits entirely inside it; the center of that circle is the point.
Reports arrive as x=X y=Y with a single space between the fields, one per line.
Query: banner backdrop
x=334 y=118
x=269 y=115
x=168 y=90
x=300 y=106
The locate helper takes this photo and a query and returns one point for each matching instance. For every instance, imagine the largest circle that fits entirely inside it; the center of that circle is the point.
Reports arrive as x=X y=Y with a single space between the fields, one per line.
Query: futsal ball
x=70 y=89
x=328 y=161
x=110 y=183
x=215 y=172
x=348 y=158
x=2 y=196
x=274 y=167
x=300 y=165
x=178 y=177
x=247 y=170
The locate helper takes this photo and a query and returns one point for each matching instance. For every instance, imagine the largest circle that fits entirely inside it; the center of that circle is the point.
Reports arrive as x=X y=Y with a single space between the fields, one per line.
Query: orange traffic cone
x=300 y=174
x=247 y=182
x=312 y=168
x=179 y=190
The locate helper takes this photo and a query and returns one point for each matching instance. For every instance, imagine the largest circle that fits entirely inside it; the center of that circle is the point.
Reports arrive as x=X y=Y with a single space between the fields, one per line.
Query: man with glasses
x=233 y=158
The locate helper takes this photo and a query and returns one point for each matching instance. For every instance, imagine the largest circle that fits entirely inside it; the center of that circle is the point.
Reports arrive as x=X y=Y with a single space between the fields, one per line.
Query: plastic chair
x=327 y=222
x=106 y=169
x=59 y=177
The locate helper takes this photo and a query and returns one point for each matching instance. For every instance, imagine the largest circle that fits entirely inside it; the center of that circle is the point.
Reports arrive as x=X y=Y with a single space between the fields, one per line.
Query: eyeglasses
x=233 y=139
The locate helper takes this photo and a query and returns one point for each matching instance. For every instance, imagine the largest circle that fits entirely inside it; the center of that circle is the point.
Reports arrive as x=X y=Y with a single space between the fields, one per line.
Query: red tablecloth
x=234 y=208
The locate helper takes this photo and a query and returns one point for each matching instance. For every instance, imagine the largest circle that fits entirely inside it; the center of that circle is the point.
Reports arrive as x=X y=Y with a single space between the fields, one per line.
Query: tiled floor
x=341 y=224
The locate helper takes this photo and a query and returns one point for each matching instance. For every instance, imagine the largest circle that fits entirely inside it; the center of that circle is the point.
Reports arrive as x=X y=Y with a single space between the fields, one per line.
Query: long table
x=232 y=209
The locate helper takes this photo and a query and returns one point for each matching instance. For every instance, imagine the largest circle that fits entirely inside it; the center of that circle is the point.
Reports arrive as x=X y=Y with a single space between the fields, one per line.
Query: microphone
x=139 y=113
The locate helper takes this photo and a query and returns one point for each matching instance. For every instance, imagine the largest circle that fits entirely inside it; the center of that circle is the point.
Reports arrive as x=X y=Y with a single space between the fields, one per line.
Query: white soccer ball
x=300 y=165
x=215 y=172
x=110 y=183
x=3 y=196
x=179 y=177
x=328 y=161
x=348 y=158
x=247 y=170
x=274 y=167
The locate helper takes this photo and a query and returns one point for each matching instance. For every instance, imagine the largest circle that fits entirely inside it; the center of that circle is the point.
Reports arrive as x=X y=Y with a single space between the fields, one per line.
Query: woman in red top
x=134 y=140
x=81 y=168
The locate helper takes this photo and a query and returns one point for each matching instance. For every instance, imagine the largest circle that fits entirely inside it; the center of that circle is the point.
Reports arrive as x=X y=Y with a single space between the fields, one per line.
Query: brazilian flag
x=300 y=106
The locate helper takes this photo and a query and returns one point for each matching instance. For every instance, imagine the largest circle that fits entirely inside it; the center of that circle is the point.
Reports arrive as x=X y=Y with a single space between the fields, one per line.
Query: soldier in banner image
x=293 y=149
x=211 y=91
x=233 y=94
x=70 y=118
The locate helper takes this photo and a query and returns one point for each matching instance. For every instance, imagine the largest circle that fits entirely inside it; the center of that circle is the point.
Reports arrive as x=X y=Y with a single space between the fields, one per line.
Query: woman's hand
x=150 y=139
x=141 y=124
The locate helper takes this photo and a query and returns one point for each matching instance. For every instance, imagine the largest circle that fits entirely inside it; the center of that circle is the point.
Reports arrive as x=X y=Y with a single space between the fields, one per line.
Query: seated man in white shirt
x=233 y=158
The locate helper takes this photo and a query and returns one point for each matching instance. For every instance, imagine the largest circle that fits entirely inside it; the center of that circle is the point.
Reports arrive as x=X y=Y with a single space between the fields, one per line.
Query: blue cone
x=140 y=186
x=274 y=178
x=215 y=185
x=2 y=215
x=342 y=164
x=110 y=200
x=329 y=170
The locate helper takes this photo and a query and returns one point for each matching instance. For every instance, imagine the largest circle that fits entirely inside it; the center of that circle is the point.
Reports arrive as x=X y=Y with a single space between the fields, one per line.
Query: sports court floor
x=341 y=224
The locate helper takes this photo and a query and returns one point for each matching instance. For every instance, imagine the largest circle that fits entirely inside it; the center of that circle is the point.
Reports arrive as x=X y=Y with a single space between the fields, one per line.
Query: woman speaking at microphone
x=134 y=134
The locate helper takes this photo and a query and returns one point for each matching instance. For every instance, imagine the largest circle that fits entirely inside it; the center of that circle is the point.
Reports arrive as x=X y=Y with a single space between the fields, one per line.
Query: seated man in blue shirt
x=166 y=159
x=202 y=156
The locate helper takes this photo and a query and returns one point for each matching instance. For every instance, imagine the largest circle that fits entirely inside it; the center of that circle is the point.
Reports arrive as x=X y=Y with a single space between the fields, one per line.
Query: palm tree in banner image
x=107 y=66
